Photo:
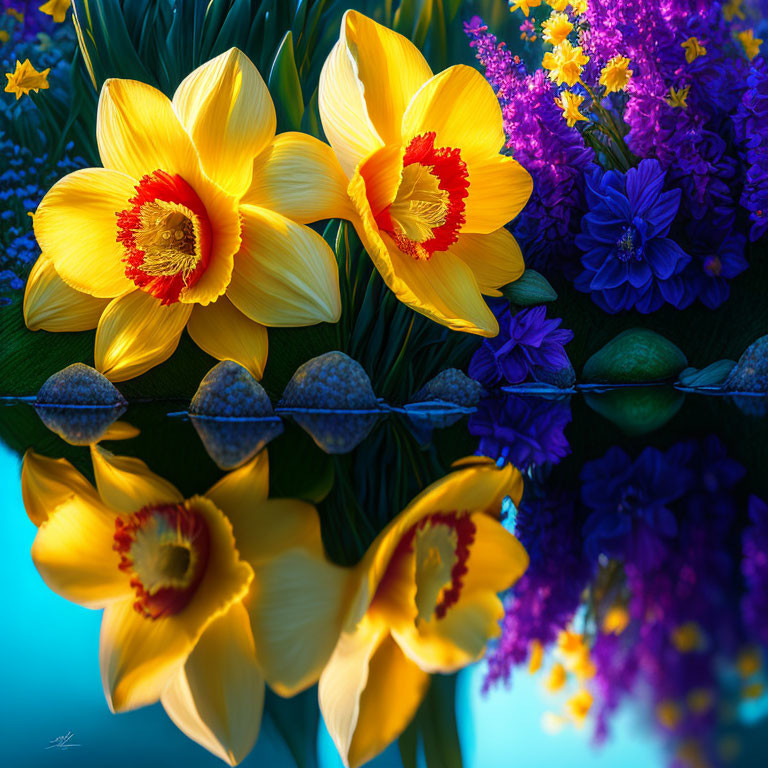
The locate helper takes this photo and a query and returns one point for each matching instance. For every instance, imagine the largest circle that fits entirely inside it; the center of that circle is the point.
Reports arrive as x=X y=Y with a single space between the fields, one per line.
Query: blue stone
x=79 y=384
x=450 y=386
x=332 y=381
x=231 y=443
x=751 y=372
x=79 y=426
x=229 y=391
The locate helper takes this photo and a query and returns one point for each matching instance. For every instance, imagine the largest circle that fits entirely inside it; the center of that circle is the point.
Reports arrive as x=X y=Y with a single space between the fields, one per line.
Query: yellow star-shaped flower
x=732 y=10
x=565 y=63
x=25 y=79
x=693 y=49
x=678 y=97
x=750 y=42
x=556 y=28
x=616 y=74
x=56 y=8
x=579 y=7
x=523 y=5
x=569 y=103
x=558 y=5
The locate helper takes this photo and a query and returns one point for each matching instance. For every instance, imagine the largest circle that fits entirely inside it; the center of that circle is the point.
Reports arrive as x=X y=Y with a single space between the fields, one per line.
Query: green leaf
x=408 y=744
x=285 y=86
x=637 y=355
x=296 y=720
x=530 y=289
x=437 y=723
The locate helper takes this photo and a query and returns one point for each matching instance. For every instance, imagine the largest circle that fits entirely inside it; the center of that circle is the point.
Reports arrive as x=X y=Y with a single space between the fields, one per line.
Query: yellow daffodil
x=616 y=74
x=56 y=8
x=556 y=28
x=558 y=5
x=430 y=190
x=426 y=603
x=678 y=97
x=178 y=580
x=196 y=220
x=523 y=5
x=569 y=103
x=564 y=63
x=732 y=10
x=26 y=78
x=615 y=620
x=693 y=49
x=579 y=7
x=750 y=42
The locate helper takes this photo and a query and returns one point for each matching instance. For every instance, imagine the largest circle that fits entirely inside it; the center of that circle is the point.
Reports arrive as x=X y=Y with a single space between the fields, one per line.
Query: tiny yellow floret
x=523 y=5
x=557 y=5
x=565 y=63
x=556 y=28
x=732 y=10
x=56 y=8
x=537 y=656
x=678 y=97
x=615 y=620
x=578 y=705
x=693 y=49
x=556 y=679
x=752 y=691
x=687 y=637
x=25 y=79
x=579 y=7
x=569 y=103
x=616 y=74
x=669 y=714
x=4 y=36
x=750 y=42
x=14 y=14
x=749 y=662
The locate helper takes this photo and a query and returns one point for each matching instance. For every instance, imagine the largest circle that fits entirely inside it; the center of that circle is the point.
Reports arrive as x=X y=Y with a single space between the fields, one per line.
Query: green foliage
x=530 y=289
x=637 y=410
x=285 y=86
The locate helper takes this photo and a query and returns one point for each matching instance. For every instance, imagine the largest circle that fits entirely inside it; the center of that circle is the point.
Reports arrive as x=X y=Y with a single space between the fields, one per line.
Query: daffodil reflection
x=195 y=220
x=181 y=583
x=426 y=602
x=430 y=191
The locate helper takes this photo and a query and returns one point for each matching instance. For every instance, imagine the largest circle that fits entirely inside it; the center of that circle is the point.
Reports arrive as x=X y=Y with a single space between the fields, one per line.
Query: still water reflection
x=636 y=635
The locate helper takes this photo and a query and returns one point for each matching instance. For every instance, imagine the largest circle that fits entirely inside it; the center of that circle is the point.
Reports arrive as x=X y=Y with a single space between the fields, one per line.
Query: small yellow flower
x=523 y=5
x=699 y=700
x=749 y=662
x=565 y=63
x=693 y=49
x=579 y=7
x=687 y=637
x=558 y=5
x=578 y=705
x=25 y=79
x=616 y=74
x=556 y=28
x=56 y=8
x=752 y=691
x=669 y=714
x=537 y=655
x=14 y=14
x=615 y=620
x=556 y=679
x=4 y=36
x=732 y=10
x=750 y=42
x=678 y=97
x=569 y=103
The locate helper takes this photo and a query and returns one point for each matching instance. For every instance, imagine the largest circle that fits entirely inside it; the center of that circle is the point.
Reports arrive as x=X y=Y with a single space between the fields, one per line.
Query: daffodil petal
x=457 y=639
x=224 y=332
x=381 y=173
x=138 y=133
x=495 y=260
x=239 y=491
x=342 y=109
x=496 y=560
x=136 y=333
x=139 y=656
x=76 y=228
x=126 y=484
x=52 y=305
x=460 y=106
x=285 y=273
x=73 y=553
x=227 y=110
x=368 y=693
x=46 y=483
x=390 y=69
x=300 y=594
x=299 y=177
x=499 y=188
x=217 y=697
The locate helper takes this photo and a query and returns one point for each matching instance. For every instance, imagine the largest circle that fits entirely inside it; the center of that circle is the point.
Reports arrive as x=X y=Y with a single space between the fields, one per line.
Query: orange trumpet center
x=166 y=235
x=164 y=550
x=428 y=210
